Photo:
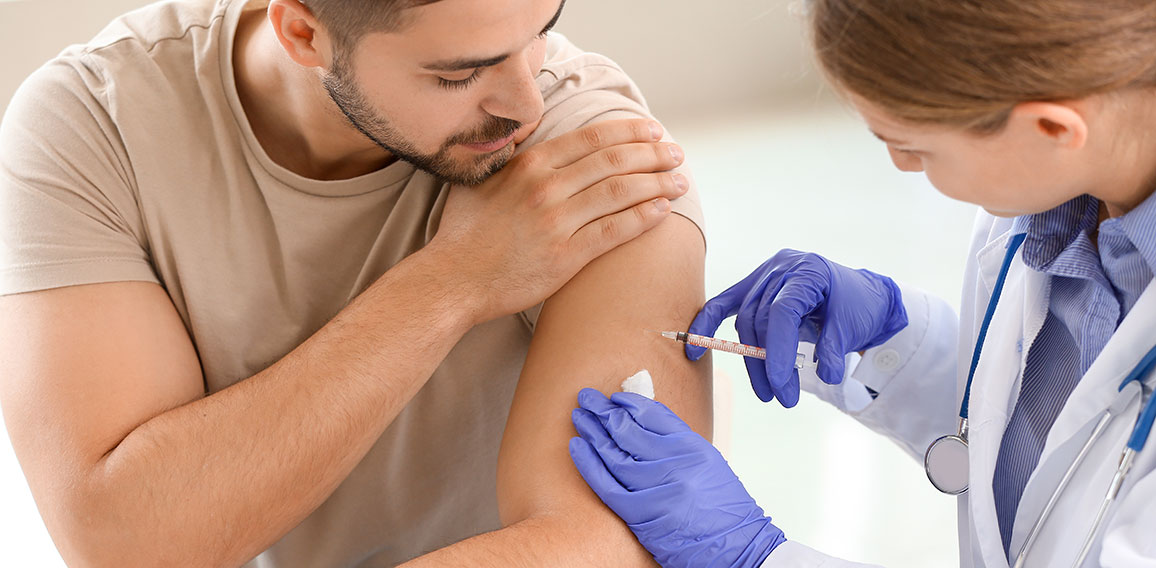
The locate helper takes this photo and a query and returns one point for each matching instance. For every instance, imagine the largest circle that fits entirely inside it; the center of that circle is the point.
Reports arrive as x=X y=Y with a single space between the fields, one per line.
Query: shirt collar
x=1051 y=232
x=1139 y=225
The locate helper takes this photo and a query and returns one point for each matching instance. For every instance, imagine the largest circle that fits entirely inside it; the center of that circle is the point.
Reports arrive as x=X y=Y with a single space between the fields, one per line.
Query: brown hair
x=348 y=20
x=966 y=63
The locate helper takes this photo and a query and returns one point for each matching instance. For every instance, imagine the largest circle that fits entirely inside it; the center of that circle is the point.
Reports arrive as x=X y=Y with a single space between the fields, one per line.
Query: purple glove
x=671 y=486
x=802 y=296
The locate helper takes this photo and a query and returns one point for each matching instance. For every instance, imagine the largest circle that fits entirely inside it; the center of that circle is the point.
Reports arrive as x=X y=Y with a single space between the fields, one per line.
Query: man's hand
x=671 y=486
x=522 y=234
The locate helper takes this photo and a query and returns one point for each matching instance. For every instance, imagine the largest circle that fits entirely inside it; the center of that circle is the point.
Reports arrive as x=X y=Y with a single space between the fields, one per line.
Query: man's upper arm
x=592 y=333
x=82 y=367
x=90 y=345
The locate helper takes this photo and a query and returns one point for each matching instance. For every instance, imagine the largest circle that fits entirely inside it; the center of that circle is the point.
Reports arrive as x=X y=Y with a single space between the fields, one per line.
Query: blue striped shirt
x=1095 y=281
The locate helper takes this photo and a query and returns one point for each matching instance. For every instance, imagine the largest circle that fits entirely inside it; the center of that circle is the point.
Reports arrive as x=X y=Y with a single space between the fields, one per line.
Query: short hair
x=348 y=20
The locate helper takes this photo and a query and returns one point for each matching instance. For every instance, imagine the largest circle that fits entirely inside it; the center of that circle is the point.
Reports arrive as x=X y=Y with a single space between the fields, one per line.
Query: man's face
x=448 y=91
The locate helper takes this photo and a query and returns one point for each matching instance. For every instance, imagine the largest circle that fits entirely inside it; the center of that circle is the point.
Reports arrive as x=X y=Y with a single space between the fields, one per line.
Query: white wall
x=688 y=55
x=696 y=57
x=778 y=165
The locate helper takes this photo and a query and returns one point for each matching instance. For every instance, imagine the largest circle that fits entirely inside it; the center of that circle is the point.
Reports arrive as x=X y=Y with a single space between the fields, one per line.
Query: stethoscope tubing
x=934 y=451
x=1101 y=425
x=1013 y=245
x=1136 y=441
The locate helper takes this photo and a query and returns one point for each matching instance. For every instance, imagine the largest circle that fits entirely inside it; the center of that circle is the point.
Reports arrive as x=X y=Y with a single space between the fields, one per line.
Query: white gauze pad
x=640 y=383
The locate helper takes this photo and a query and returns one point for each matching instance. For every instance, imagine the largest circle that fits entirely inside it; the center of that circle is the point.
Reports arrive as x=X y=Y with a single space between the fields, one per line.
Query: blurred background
x=780 y=162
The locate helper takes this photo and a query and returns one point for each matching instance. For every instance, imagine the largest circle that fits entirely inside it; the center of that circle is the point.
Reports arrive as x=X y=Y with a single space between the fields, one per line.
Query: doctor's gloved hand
x=802 y=296
x=671 y=486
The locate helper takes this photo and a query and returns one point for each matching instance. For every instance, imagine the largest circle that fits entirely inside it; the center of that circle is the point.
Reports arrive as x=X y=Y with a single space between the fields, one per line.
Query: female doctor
x=1043 y=113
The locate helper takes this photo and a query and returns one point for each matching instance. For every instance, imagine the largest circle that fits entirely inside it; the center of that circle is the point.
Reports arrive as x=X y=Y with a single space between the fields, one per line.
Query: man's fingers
x=619 y=193
x=620 y=160
x=573 y=146
x=604 y=234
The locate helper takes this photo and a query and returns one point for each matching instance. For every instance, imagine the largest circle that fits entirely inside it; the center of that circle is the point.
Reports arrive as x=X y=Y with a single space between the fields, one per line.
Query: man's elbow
x=97 y=522
x=586 y=531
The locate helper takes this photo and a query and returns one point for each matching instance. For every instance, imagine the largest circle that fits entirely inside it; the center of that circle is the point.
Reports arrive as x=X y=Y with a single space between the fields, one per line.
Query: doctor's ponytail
x=966 y=63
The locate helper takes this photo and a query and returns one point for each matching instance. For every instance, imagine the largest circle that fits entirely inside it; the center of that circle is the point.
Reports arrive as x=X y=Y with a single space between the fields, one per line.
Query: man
x=271 y=275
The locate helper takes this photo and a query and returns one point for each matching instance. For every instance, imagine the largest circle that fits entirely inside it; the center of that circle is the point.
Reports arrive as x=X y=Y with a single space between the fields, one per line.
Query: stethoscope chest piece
x=946 y=458
x=946 y=462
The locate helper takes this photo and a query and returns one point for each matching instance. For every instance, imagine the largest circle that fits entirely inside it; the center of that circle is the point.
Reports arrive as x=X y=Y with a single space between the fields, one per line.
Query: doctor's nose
x=905 y=161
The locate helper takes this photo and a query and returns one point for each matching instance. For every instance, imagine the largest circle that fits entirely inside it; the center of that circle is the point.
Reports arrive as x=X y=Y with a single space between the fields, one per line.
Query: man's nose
x=516 y=96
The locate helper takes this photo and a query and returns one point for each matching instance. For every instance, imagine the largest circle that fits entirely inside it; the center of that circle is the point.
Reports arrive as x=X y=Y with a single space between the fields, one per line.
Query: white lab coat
x=920 y=375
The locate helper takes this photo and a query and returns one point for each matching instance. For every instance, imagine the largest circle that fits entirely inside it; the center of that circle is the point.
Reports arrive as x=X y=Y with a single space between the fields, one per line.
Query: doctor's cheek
x=952 y=186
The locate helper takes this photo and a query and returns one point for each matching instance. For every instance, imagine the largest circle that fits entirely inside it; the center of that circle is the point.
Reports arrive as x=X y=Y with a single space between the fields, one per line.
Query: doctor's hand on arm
x=673 y=489
x=797 y=296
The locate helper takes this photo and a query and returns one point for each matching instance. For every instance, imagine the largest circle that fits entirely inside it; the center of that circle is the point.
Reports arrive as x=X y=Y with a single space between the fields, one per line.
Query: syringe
x=801 y=360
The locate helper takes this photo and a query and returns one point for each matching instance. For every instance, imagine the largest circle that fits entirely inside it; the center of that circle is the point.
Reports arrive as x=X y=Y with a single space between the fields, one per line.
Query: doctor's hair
x=348 y=20
x=968 y=63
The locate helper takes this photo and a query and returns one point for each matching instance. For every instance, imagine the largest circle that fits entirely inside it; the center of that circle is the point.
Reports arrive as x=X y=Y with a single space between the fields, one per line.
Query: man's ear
x=299 y=33
x=1062 y=124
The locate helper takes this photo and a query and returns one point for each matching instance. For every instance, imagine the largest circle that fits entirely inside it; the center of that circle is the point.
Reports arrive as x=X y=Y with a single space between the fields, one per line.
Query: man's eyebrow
x=467 y=63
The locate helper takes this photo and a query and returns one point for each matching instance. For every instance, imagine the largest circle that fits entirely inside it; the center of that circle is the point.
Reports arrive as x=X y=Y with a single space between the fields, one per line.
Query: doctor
x=1043 y=113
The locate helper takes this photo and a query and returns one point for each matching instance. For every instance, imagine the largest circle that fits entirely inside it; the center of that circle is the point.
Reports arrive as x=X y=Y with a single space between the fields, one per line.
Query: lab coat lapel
x=1067 y=525
x=1095 y=392
x=1097 y=389
x=992 y=390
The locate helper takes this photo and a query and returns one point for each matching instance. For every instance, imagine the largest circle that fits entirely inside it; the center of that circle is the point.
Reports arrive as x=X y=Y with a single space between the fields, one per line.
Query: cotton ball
x=640 y=383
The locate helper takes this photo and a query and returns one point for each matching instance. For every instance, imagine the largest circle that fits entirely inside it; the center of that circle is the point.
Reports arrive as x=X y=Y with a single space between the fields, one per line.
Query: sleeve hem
x=46 y=276
x=792 y=554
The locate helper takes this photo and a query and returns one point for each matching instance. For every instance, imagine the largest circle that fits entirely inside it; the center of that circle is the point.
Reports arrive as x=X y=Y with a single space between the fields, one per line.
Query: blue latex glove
x=802 y=296
x=671 y=486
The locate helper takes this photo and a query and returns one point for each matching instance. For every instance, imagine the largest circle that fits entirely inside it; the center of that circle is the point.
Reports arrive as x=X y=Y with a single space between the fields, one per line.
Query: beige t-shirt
x=130 y=158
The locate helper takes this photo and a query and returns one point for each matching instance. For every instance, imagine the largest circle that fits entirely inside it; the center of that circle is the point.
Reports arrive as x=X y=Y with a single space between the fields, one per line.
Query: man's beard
x=343 y=89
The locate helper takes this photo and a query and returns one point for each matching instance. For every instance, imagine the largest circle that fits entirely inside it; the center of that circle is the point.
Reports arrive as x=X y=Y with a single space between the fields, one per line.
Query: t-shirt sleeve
x=580 y=88
x=68 y=205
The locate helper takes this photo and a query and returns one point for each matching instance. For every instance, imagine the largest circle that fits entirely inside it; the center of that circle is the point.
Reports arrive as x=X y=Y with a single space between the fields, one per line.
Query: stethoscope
x=946 y=457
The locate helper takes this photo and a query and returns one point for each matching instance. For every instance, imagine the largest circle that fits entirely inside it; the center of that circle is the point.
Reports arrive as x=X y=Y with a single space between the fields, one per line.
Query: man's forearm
x=218 y=480
x=562 y=538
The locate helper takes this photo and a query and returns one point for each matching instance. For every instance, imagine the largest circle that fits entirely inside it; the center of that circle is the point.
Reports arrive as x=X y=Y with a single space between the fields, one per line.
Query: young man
x=276 y=286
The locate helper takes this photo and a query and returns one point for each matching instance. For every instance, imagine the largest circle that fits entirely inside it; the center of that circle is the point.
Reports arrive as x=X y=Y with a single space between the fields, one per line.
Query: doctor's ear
x=299 y=33
x=1061 y=123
